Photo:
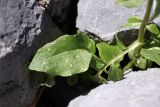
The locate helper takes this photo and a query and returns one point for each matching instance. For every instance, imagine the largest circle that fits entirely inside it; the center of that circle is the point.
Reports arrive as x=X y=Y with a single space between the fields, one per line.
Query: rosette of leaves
x=75 y=54
x=78 y=56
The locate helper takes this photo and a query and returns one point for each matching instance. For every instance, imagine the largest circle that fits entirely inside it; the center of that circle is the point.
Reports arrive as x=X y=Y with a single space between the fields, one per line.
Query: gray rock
x=104 y=18
x=24 y=27
x=157 y=20
x=139 y=89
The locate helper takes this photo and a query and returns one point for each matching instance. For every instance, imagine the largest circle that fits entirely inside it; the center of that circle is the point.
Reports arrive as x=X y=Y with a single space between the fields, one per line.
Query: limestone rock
x=104 y=18
x=24 y=27
x=138 y=89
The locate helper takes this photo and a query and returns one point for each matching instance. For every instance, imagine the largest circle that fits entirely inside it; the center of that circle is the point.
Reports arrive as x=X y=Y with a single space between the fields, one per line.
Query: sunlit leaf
x=129 y=3
x=133 y=22
x=64 y=64
x=65 y=43
x=143 y=63
x=153 y=28
x=152 y=54
x=134 y=19
x=108 y=52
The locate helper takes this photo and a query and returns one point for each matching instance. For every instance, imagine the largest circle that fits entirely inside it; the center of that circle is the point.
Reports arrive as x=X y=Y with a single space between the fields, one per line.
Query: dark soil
x=61 y=94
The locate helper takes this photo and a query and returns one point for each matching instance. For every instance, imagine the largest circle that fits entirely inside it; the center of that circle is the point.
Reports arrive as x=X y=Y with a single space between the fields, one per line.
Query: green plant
x=78 y=57
x=76 y=54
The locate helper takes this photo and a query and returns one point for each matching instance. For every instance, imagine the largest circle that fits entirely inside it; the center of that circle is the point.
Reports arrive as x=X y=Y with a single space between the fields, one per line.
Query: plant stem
x=137 y=44
x=133 y=46
x=129 y=65
x=145 y=21
x=40 y=92
x=37 y=98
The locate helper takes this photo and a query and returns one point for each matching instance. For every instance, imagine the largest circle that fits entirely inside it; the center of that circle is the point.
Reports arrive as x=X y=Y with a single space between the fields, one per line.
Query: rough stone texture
x=104 y=18
x=139 y=89
x=24 y=27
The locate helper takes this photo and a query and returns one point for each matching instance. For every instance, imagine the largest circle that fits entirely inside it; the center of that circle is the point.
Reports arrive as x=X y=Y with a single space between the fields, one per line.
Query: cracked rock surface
x=24 y=27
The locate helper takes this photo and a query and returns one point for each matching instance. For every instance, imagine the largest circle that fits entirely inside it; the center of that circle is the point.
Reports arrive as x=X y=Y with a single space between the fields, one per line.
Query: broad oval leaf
x=65 y=43
x=129 y=3
x=64 y=64
x=153 y=28
x=134 y=19
x=108 y=52
x=152 y=54
x=133 y=22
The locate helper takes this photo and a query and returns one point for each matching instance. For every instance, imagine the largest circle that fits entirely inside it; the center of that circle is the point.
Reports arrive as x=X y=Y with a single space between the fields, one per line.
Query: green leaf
x=129 y=3
x=134 y=19
x=153 y=28
x=92 y=47
x=143 y=63
x=108 y=52
x=152 y=54
x=133 y=22
x=85 y=42
x=115 y=74
x=65 y=43
x=96 y=63
x=64 y=64
x=120 y=44
x=132 y=25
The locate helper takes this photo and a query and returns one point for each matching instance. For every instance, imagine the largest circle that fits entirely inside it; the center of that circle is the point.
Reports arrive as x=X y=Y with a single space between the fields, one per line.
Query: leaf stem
x=37 y=98
x=133 y=46
x=145 y=21
x=129 y=65
x=137 y=44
